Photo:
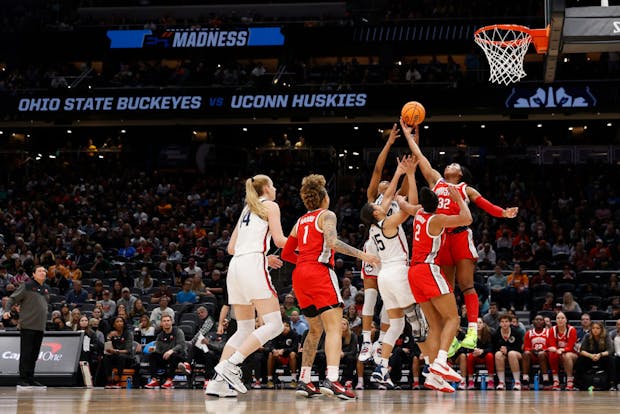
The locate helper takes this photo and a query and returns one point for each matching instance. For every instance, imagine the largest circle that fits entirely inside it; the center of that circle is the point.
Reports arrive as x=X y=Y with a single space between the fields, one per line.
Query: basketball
x=413 y=113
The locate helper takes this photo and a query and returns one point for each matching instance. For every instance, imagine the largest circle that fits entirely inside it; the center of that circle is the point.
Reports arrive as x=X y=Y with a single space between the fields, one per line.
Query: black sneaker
x=37 y=384
x=308 y=390
x=330 y=388
x=24 y=385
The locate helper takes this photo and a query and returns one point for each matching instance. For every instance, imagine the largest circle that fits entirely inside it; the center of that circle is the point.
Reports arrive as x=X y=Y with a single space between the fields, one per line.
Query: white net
x=505 y=47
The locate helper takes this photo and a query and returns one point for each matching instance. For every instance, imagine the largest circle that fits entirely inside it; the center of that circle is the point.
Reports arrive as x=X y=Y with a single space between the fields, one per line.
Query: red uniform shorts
x=427 y=281
x=457 y=246
x=316 y=287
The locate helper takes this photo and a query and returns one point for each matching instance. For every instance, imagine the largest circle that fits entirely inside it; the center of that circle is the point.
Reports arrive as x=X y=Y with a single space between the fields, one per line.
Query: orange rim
x=539 y=37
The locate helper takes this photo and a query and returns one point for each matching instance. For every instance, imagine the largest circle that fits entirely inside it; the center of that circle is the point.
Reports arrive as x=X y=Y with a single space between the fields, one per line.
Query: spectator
x=107 y=305
x=163 y=291
x=118 y=351
x=584 y=328
x=518 y=283
x=158 y=313
x=596 y=351
x=507 y=345
x=192 y=269
x=74 y=272
x=482 y=353
x=569 y=304
x=283 y=351
x=144 y=281
x=298 y=323
x=77 y=295
x=169 y=354
x=541 y=278
x=486 y=256
x=127 y=299
x=498 y=284
x=491 y=319
x=615 y=336
x=290 y=305
x=186 y=295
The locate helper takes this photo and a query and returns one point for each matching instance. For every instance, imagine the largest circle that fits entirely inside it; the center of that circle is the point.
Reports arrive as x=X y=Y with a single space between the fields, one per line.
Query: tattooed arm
x=327 y=223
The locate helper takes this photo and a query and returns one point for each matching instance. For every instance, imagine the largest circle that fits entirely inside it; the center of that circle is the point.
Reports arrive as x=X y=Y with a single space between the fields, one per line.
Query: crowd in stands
x=123 y=252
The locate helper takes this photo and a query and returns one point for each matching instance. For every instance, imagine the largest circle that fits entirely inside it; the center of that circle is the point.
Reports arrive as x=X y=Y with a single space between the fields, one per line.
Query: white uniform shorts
x=248 y=279
x=394 y=287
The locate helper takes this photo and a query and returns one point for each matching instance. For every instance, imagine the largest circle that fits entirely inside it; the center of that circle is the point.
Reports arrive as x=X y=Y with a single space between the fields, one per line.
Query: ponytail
x=253 y=191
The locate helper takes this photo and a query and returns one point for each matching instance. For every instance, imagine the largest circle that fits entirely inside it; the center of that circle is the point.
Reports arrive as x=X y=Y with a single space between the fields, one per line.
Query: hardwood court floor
x=78 y=400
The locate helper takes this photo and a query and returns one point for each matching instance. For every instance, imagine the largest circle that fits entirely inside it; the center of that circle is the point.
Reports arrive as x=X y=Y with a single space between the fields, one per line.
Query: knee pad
x=273 y=327
x=244 y=329
x=384 y=316
x=417 y=320
x=396 y=328
x=370 y=300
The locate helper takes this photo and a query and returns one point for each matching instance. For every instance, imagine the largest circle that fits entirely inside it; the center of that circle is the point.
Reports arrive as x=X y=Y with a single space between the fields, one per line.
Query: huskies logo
x=201 y=38
x=551 y=97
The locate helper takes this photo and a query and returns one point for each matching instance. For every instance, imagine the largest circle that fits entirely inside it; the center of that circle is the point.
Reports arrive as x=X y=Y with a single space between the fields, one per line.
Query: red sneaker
x=335 y=388
x=154 y=383
x=168 y=385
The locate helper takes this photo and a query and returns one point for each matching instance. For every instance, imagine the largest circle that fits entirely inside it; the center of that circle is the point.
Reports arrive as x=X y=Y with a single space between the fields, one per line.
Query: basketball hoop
x=505 y=46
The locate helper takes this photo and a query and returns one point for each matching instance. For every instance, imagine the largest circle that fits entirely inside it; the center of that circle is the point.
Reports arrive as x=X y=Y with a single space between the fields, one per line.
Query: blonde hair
x=253 y=191
x=313 y=191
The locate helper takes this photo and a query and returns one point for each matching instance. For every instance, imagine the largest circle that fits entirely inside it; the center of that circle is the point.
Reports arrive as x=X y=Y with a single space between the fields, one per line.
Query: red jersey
x=311 y=243
x=537 y=341
x=424 y=247
x=567 y=340
x=446 y=205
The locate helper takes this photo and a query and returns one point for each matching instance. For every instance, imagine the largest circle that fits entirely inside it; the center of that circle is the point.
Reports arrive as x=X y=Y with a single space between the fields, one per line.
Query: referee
x=32 y=297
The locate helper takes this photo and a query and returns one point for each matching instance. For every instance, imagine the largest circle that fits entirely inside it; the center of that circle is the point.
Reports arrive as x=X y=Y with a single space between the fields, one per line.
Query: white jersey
x=390 y=249
x=253 y=235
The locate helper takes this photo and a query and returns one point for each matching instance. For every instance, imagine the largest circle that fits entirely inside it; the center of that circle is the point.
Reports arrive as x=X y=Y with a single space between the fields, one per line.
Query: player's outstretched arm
x=490 y=208
x=373 y=186
x=430 y=174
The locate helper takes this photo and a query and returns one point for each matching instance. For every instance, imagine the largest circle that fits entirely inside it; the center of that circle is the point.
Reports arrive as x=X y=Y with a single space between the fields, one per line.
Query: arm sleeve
x=288 y=252
x=489 y=207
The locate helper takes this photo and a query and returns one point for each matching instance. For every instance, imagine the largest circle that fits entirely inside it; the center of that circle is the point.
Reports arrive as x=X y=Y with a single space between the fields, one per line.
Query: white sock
x=545 y=377
x=517 y=376
x=237 y=358
x=556 y=377
x=384 y=362
x=526 y=377
x=304 y=374
x=366 y=336
x=442 y=357
x=269 y=378
x=332 y=372
x=360 y=380
x=501 y=376
x=381 y=335
x=427 y=360
x=472 y=325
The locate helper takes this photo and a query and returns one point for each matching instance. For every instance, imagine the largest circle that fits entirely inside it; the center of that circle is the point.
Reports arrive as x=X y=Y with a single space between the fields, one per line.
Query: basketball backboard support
x=579 y=30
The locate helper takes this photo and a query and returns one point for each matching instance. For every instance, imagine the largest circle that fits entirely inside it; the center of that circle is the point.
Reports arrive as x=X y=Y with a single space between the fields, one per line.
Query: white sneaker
x=232 y=374
x=220 y=388
x=377 y=348
x=366 y=352
x=445 y=371
x=437 y=383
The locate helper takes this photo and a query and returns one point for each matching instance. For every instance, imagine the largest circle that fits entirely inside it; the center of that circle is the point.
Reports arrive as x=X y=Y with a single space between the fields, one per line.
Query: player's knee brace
x=417 y=320
x=396 y=328
x=244 y=329
x=273 y=327
x=370 y=300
